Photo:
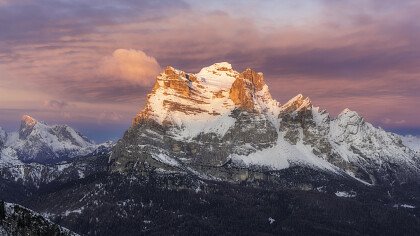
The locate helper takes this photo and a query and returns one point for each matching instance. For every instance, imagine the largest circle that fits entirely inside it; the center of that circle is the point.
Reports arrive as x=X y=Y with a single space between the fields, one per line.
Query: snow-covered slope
x=3 y=137
x=37 y=142
x=412 y=142
x=363 y=145
x=203 y=123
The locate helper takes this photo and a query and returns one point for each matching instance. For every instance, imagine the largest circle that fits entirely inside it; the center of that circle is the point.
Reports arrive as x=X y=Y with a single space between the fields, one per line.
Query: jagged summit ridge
x=219 y=116
x=209 y=96
x=297 y=103
x=214 y=89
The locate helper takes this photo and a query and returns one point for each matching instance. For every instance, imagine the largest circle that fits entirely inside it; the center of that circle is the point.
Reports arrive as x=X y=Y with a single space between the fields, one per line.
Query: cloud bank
x=102 y=56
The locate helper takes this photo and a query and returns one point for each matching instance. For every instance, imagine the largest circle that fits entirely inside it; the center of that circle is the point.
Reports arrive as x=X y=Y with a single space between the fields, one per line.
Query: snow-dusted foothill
x=18 y=220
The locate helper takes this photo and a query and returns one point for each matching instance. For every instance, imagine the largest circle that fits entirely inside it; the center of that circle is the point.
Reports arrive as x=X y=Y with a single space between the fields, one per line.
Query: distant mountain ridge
x=38 y=142
x=38 y=154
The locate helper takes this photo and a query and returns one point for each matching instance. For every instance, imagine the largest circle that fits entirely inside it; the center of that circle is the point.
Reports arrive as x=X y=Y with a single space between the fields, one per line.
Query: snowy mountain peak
x=297 y=103
x=188 y=101
x=217 y=68
x=28 y=120
x=349 y=116
x=348 y=112
x=39 y=142
x=27 y=124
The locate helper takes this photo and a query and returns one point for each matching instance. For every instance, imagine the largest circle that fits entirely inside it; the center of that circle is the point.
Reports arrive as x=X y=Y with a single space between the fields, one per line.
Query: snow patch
x=350 y=194
x=404 y=206
x=76 y=211
x=412 y=142
x=161 y=157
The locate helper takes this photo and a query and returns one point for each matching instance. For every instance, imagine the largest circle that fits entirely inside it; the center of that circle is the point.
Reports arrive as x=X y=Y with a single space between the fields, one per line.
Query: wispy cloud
x=56 y=104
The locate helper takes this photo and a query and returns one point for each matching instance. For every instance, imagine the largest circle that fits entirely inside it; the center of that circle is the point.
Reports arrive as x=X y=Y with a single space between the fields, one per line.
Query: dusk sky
x=91 y=63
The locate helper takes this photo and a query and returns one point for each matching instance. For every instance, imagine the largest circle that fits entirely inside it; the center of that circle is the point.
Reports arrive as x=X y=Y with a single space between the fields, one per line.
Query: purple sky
x=91 y=63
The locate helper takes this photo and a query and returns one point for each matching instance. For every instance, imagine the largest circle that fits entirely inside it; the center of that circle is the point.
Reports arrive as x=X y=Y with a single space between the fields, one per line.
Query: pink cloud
x=55 y=104
x=131 y=65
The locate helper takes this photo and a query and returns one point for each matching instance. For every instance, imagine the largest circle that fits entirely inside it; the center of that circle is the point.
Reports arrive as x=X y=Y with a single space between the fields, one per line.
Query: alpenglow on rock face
x=223 y=124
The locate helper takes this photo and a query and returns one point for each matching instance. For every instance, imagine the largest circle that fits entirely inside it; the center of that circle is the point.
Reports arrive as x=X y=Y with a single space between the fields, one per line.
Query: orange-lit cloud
x=131 y=65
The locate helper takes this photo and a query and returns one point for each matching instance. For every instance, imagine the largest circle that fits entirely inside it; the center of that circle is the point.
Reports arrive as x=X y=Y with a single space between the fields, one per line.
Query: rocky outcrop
x=243 y=90
x=181 y=86
x=294 y=115
x=177 y=81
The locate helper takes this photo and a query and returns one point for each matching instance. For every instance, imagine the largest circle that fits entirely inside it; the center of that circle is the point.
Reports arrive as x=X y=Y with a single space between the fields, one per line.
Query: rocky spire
x=297 y=103
x=177 y=80
x=243 y=90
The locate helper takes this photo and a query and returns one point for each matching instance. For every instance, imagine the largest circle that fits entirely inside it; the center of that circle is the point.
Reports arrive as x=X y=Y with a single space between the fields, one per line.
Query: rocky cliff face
x=245 y=88
x=222 y=124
